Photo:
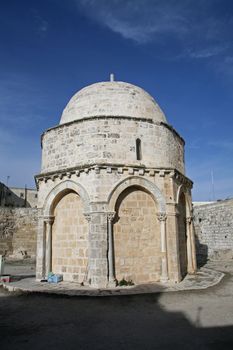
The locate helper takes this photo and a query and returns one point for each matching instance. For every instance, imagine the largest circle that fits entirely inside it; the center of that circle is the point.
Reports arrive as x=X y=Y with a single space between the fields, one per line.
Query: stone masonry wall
x=7 y=225
x=137 y=238
x=110 y=141
x=214 y=230
x=70 y=239
x=18 y=228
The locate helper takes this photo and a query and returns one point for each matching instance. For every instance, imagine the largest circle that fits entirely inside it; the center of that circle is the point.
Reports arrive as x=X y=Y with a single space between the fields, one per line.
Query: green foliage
x=124 y=283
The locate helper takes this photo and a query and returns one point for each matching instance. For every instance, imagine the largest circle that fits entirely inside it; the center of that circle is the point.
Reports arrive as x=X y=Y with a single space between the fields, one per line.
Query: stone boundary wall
x=214 y=230
x=18 y=229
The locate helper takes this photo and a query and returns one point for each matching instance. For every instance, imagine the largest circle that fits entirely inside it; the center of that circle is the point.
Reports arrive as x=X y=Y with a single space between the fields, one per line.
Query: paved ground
x=203 y=279
x=198 y=319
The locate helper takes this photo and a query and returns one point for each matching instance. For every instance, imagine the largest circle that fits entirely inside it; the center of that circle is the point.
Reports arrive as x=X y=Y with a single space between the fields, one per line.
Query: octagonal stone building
x=115 y=201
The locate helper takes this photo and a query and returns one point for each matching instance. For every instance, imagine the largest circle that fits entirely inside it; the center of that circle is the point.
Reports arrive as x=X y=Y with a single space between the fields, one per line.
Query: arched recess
x=58 y=192
x=187 y=249
x=139 y=182
x=188 y=202
x=69 y=239
x=136 y=230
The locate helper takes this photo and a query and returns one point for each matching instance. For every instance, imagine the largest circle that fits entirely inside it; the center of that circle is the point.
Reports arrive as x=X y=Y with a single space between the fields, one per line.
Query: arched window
x=138 y=149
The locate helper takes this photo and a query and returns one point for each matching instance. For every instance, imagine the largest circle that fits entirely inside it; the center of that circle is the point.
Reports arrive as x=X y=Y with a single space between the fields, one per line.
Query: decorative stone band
x=110 y=168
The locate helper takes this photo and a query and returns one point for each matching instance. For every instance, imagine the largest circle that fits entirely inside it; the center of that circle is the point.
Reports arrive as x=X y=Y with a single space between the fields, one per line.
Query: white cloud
x=207 y=52
x=141 y=21
x=195 y=25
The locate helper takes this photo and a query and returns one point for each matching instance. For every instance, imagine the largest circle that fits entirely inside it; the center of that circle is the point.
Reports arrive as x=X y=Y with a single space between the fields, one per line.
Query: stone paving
x=204 y=278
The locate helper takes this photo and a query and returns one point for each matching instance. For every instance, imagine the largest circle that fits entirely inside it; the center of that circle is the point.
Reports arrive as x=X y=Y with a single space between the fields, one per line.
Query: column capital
x=162 y=216
x=111 y=215
x=87 y=216
x=189 y=219
x=48 y=219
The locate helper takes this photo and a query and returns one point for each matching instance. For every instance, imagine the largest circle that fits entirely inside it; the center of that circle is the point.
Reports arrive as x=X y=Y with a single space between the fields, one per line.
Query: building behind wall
x=115 y=201
x=15 y=197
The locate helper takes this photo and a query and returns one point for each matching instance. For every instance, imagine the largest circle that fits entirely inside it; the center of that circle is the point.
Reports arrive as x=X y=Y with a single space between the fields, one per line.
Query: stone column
x=49 y=222
x=40 y=249
x=172 y=235
x=111 y=274
x=88 y=272
x=164 y=268
x=191 y=254
x=177 y=214
x=97 y=249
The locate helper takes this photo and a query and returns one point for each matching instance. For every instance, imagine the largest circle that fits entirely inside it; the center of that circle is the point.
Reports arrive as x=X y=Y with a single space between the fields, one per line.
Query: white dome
x=112 y=99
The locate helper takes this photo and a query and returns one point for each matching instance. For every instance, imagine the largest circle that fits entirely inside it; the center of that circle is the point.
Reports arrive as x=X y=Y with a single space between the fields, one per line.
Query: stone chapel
x=113 y=194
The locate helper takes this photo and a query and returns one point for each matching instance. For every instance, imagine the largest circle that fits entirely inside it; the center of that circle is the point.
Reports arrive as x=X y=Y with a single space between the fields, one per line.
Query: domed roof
x=112 y=99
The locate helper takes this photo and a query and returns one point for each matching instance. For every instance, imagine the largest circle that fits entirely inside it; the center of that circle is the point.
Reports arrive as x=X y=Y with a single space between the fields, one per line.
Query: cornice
x=137 y=170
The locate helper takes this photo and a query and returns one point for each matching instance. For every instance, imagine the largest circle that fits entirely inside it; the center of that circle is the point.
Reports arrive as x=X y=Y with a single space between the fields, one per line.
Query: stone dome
x=112 y=99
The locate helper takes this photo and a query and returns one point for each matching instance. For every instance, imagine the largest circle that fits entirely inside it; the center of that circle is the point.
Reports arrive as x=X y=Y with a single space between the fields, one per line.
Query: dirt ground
x=174 y=320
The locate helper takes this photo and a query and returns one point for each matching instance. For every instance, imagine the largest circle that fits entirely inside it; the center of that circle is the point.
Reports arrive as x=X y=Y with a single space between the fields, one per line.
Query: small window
x=138 y=149
x=21 y=195
x=36 y=195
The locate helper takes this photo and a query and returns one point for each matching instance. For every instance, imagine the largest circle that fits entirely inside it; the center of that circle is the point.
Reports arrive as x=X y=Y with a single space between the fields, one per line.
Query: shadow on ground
x=125 y=322
x=202 y=255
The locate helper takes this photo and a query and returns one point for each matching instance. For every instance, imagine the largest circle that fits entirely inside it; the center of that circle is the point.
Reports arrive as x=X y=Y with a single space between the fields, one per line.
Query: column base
x=111 y=284
x=164 y=279
x=193 y=272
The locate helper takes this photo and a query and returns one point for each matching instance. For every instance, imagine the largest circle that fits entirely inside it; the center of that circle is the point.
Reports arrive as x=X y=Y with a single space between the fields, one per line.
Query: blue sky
x=181 y=52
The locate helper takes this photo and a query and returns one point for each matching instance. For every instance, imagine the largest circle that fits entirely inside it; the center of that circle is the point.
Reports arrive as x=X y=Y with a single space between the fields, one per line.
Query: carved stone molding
x=141 y=171
x=109 y=168
x=111 y=216
x=189 y=220
x=162 y=216
x=97 y=170
x=87 y=217
x=48 y=219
